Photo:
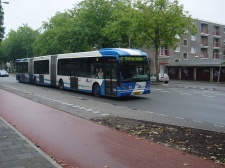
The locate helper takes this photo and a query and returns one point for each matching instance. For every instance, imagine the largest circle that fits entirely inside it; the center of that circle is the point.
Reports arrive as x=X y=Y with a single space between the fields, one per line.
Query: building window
x=216 y=30
x=193 y=37
x=185 y=56
x=177 y=49
x=176 y=60
x=204 y=28
x=193 y=50
x=185 y=43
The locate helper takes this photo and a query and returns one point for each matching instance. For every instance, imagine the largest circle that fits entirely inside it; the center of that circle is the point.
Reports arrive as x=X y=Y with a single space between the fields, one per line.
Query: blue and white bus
x=114 y=72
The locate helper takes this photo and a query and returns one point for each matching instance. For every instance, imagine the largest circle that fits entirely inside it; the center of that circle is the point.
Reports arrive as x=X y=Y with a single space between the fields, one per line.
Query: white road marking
x=208 y=91
x=163 y=91
x=96 y=112
x=207 y=96
x=105 y=114
x=155 y=89
x=177 y=91
x=198 y=92
x=186 y=94
x=163 y=114
x=220 y=94
x=179 y=118
x=221 y=126
x=197 y=121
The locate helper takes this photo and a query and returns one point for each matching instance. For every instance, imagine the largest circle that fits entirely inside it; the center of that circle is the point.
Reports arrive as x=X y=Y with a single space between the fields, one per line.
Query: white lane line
x=220 y=94
x=221 y=126
x=165 y=91
x=198 y=92
x=76 y=106
x=186 y=94
x=155 y=89
x=82 y=108
x=96 y=112
x=177 y=91
x=208 y=91
x=89 y=110
x=179 y=118
x=163 y=115
x=105 y=114
x=69 y=104
x=197 y=121
x=207 y=96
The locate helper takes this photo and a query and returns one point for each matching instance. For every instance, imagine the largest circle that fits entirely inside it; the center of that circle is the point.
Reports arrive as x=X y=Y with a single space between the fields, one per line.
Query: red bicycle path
x=79 y=143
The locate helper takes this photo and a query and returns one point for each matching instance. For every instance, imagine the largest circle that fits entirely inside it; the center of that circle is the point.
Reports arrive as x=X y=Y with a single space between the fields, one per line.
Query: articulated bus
x=114 y=72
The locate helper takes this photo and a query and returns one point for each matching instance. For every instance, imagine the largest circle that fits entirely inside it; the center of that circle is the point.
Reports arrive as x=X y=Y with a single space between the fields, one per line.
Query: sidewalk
x=16 y=151
x=76 y=142
x=204 y=85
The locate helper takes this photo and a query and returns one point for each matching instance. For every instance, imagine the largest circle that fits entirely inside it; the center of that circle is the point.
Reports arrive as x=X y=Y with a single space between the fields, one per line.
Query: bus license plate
x=137 y=93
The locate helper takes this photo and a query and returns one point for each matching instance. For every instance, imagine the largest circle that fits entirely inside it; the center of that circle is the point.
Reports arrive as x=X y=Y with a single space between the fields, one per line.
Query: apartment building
x=196 y=57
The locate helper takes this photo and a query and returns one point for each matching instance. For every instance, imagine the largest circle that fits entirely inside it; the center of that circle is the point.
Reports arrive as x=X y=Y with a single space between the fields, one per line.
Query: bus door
x=74 y=69
x=110 y=78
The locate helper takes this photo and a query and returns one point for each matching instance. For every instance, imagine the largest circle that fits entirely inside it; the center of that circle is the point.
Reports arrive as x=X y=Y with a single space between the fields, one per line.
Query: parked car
x=4 y=73
x=153 y=77
x=163 y=77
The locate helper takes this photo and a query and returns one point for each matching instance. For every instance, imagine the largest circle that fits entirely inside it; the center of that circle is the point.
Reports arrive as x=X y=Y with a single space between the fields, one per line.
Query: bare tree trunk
x=156 y=63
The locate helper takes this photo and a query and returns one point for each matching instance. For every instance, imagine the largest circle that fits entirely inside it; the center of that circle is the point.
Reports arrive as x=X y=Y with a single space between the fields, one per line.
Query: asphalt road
x=198 y=105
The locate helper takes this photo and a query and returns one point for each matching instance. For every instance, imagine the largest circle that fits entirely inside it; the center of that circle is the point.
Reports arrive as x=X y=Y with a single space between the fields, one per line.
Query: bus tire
x=96 y=90
x=61 y=85
x=35 y=81
x=19 y=79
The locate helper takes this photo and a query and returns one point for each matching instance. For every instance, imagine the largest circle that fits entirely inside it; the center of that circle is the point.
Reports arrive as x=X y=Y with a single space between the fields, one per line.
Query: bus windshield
x=135 y=69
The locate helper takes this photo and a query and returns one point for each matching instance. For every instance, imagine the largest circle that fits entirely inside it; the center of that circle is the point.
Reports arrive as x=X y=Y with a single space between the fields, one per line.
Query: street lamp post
x=218 y=80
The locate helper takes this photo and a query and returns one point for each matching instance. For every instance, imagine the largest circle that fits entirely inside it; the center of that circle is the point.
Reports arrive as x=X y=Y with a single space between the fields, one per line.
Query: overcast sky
x=34 y=12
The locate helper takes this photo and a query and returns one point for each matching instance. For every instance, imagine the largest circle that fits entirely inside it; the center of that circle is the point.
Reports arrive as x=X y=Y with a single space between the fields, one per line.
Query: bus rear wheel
x=61 y=85
x=96 y=90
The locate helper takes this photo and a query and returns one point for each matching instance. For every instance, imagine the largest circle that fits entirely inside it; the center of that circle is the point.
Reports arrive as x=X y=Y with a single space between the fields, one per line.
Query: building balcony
x=204 y=45
x=164 y=53
x=216 y=56
x=216 y=45
x=204 y=55
x=216 y=33
x=204 y=33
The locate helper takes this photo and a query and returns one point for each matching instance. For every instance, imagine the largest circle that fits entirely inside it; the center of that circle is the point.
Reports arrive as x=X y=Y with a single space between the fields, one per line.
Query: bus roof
x=104 y=52
x=121 y=52
x=22 y=60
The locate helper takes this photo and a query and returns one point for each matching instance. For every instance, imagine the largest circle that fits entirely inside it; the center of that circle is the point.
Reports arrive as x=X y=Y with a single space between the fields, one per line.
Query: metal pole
x=219 y=75
x=218 y=80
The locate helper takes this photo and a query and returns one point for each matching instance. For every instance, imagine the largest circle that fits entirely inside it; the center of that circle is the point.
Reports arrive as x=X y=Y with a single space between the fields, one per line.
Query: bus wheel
x=19 y=79
x=61 y=85
x=96 y=90
x=35 y=81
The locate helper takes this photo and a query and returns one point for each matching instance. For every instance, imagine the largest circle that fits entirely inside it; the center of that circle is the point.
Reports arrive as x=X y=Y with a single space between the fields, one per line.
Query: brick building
x=196 y=57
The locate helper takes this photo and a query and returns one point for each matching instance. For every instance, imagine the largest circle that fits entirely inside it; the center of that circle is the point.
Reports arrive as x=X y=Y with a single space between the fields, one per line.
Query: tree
x=2 y=29
x=18 y=44
x=93 y=16
x=154 y=23
x=60 y=35
x=118 y=28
